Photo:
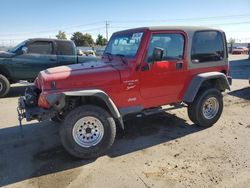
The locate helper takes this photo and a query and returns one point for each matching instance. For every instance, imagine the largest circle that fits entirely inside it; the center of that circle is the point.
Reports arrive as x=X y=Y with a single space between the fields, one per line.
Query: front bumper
x=33 y=112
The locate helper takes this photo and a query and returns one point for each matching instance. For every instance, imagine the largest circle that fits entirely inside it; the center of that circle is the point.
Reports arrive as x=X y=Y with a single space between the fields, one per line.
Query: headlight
x=42 y=101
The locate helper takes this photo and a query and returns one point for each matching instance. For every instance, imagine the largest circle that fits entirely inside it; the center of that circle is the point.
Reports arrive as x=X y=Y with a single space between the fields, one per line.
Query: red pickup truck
x=140 y=71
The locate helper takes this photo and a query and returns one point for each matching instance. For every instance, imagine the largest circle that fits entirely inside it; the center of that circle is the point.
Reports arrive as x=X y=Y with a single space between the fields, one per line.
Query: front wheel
x=4 y=86
x=207 y=107
x=88 y=132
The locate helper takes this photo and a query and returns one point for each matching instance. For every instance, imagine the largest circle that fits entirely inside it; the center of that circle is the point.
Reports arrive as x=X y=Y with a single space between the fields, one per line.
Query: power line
x=184 y=19
x=219 y=24
x=51 y=30
x=67 y=33
x=234 y=23
x=86 y=30
x=131 y=21
x=106 y=25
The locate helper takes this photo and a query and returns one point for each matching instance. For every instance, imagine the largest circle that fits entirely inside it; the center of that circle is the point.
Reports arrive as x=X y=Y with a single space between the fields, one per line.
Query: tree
x=88 y=40
x=61 y=35
x=77 y=37
x=231 y=42
x=101 y=40
x=82 y=39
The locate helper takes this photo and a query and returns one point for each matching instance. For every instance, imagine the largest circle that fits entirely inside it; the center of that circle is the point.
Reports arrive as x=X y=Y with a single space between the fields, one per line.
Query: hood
x=76 y=67
x=4 y=54
x=92 y=75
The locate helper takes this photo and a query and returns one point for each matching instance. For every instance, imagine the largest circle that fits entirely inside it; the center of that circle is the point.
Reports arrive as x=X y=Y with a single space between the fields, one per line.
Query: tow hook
x=21 y=116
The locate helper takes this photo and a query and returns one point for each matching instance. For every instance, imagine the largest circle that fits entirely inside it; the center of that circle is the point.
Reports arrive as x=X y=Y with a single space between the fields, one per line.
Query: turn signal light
x=42 y=102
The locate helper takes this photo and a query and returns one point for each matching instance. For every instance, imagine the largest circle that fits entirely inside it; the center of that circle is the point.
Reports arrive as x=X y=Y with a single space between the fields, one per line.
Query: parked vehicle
x=27 y=59
x=141 y=70
x=240 y=50
x=86 y=52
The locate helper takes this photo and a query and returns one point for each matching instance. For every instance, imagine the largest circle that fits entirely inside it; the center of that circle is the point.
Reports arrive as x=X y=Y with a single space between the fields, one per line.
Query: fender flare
x=5 y=72
x=100 y=94
x=53 y=98
x=197 y=81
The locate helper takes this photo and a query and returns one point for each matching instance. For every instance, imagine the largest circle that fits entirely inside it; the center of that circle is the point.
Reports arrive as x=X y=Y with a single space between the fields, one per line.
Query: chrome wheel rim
x=210 y=108
x=88 y=131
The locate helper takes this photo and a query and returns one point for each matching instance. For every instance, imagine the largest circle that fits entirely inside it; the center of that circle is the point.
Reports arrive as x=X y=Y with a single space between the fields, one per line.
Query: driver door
x=40 y=56
x=162 y=81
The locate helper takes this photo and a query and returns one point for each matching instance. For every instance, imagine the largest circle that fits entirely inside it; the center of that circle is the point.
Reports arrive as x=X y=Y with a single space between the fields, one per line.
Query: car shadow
x=240 y=69
x=40 y=152
x=243 y=93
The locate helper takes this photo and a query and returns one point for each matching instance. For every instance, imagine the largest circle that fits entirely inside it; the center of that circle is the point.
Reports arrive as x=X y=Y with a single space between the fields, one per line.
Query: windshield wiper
x=110 y=56
x=124 y=60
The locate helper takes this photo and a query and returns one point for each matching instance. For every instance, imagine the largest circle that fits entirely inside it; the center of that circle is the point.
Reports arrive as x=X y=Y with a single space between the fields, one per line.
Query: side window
x=65 y=48
x=40 y=48
x=207 y=46
x=173 y=45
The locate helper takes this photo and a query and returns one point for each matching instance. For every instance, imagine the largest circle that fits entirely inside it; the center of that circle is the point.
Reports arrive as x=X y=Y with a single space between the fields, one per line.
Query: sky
x=22 y=19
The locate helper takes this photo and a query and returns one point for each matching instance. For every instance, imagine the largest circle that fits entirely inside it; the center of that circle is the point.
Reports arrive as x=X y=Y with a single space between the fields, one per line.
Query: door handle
x=179 y=65
x=51 y=59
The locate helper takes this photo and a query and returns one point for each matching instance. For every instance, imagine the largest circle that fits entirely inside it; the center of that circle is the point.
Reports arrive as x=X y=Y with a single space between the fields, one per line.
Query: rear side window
x=42 y=47
x=207 y=46
x=65 y=48
x=173 y=45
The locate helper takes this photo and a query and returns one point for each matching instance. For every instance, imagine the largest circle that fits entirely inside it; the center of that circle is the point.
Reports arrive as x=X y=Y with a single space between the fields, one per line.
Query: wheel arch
x=4 y=71
x=210 y=79
x=92 y=96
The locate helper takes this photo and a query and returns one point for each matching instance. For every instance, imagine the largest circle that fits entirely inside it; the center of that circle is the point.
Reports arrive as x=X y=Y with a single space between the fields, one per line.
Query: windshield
x=125 y=44
x=14 y=49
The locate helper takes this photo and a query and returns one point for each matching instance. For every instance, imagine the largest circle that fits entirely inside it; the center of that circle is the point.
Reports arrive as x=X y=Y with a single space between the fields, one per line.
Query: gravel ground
x=164 y=150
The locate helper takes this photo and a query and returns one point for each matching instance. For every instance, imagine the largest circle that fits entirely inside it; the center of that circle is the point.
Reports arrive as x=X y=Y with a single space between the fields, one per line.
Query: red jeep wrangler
x=141 y=70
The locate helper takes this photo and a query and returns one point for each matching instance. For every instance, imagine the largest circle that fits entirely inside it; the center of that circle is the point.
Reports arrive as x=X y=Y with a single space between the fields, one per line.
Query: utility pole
x=107 y=32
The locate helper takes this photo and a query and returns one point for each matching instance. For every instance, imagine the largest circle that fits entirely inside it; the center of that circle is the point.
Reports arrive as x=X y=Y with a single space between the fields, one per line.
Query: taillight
x=42 y=102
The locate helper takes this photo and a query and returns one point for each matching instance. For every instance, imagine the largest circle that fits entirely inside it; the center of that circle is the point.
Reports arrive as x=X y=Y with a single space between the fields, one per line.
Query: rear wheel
x=4 y=86
x=207 y=107
x=88 y=131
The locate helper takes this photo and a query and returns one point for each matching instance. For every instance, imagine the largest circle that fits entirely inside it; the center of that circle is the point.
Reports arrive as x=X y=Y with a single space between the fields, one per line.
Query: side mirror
x=158 y=54
x=24 y=50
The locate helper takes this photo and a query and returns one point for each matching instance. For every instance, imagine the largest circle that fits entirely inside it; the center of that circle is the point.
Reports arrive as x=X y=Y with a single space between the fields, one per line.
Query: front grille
x=31 y=96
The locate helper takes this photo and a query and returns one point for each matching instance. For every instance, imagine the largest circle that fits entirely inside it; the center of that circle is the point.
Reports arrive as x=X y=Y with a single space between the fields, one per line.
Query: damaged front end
x=29 y=109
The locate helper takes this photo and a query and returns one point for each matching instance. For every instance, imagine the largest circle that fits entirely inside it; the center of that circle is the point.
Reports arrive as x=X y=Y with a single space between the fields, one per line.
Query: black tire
x=195 y=109
x=4 y=86
x=57 y=119
x=71 y=119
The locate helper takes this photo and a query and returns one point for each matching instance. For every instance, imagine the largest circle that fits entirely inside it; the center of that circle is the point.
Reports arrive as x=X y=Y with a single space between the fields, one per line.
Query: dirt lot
x=164 y=150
